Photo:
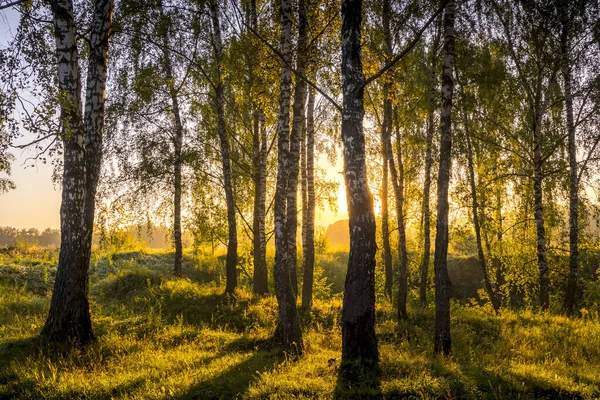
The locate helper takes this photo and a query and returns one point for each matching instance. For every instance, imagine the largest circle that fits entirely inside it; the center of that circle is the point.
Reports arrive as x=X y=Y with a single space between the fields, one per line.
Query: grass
x=162 y=337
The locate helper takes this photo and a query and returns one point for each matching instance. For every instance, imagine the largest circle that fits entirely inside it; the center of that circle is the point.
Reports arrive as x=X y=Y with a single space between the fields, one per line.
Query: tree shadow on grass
x=491 y=385
x=358 y=381
x=11 y=351
x=142 y=290
x=234 y=381
x=14 y=386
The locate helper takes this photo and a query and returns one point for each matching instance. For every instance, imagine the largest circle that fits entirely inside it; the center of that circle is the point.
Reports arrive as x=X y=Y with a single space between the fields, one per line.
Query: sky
x=36 y=201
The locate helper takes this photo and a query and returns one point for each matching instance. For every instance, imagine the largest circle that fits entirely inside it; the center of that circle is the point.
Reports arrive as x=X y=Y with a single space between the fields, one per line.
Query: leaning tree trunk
x=230 y=273
x=474 y=208
x=443 y=342
x=288 y=328
x=309 y=246
x=427 y=183
x=177 y=147
x=69 y=316
x=294 y=153
x=359 y=343
x=260 y=279
x=385 y=133
x=569 y=301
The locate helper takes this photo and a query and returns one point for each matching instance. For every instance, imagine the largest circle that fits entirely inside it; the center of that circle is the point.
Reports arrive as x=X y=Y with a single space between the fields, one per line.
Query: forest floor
x=164 y=337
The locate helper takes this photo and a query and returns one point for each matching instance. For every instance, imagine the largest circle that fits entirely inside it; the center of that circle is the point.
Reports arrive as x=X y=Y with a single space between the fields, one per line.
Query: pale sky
x=36 y=201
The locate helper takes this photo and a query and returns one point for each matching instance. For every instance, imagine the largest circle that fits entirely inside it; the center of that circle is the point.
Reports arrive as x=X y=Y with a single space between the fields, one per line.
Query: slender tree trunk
x=398 y=184
x=443 y=342
x=294 y=153
x=385 y=230
x=288 y=328
x=402 y=250
x=359 y=343
x=69 y=316
x=570 y=295
x=427 y=184
x=264 y=150
x=309 y=246
x=231 y=272
x=385 y=133
x=260 y=283
x=474 y=209
x=497 y=262
x=303 y=186
x=94 y=108
x=177 y=147
x=538 y=211
x=303 y=190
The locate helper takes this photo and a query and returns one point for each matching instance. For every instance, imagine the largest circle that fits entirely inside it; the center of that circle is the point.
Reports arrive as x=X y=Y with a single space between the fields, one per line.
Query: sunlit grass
x=162 y=337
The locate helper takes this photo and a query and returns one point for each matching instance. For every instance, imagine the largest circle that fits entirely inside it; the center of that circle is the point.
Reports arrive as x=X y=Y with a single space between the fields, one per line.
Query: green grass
x=162 y=337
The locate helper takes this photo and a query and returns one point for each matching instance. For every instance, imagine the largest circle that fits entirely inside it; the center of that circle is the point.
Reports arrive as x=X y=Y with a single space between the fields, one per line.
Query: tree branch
x=14 y=3
x=407 y=49
x=287 y=65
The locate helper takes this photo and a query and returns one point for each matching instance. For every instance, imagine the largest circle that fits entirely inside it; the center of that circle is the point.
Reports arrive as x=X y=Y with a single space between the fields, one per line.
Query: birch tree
x=69 y=316
x=442 y=343
x=288 y=328
x=232 y=241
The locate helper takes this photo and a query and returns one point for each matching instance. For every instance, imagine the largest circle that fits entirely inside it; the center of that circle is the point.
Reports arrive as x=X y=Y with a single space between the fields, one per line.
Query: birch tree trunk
x=303 y=186
x=402 y=250
x=442 y=343
x=571 y=292
x=538 y=212
x=231 y=273
x=260 y=279
x=385 y=133
x=294 y=153
x=309 y=246
x=474 y=208
x=177 y=139
x=288 y=328
x=95 y=96
x=385 y=230
x=427 y=182
x=398 y=185
x=498 y=260
x=69 y=318
x=359 y=343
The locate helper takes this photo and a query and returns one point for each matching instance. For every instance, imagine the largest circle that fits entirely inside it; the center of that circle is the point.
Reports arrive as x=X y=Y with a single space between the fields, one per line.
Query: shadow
x=11 y=385
x=512 y=385
x=176 y=300
x=18 y=349
x=358 y=381
x=235 y=381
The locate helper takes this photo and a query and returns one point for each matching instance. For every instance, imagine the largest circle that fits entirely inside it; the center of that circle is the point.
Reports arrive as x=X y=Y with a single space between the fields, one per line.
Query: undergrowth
x=164 y=337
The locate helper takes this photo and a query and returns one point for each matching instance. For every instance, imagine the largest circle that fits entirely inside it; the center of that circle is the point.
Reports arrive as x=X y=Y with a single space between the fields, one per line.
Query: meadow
x=160 y=337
